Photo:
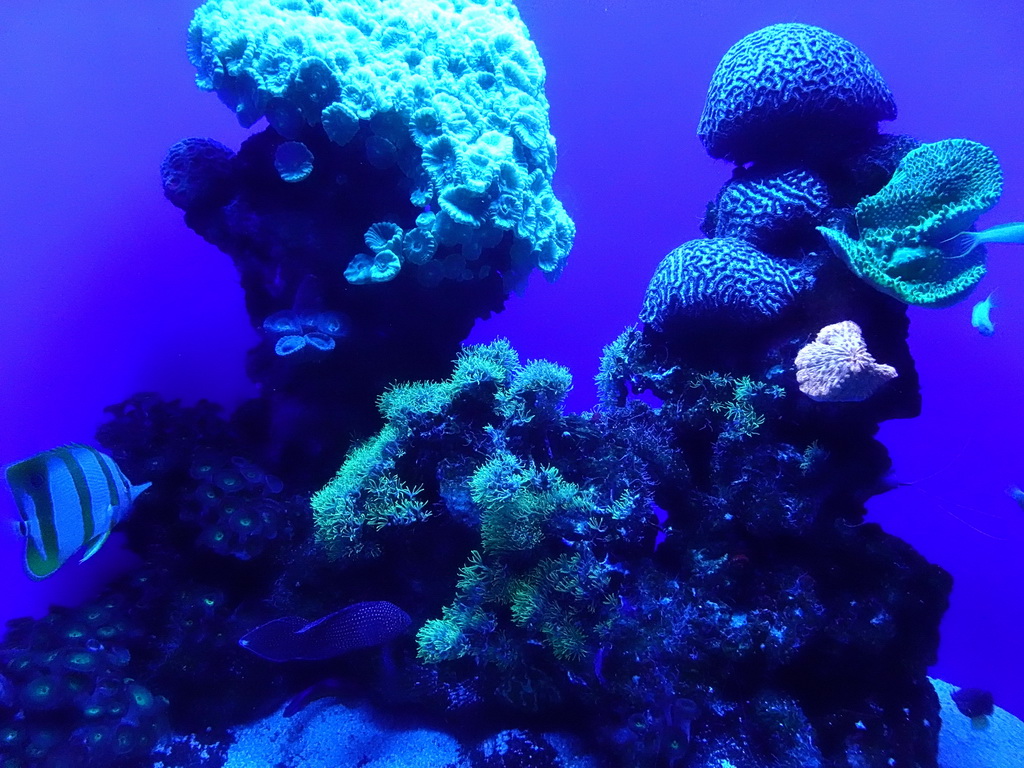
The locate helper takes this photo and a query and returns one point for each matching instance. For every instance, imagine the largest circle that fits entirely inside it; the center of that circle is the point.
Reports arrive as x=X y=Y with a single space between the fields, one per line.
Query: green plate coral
x=908 y=230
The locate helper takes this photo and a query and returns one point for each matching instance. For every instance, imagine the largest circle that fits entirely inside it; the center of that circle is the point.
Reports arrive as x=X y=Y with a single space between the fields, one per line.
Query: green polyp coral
x=907 y=230
x=546 y=509
x=451 y=92
x=737 y=403
x=519 y=504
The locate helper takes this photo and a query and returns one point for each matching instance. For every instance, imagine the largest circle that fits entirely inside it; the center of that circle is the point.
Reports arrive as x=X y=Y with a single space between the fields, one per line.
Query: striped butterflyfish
x=68 y=498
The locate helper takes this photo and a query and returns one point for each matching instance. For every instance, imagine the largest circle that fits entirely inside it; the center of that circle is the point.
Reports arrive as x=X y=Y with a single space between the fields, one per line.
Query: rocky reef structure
x=681 y=577
x=408 y=164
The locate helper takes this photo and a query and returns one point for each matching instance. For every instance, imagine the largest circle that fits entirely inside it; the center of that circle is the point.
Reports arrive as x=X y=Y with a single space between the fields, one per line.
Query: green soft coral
x=905 y=230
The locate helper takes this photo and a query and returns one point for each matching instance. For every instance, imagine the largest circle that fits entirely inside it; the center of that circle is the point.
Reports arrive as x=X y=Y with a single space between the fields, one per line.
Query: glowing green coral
x=906 y=229
x=449 y=91
x=553 y=504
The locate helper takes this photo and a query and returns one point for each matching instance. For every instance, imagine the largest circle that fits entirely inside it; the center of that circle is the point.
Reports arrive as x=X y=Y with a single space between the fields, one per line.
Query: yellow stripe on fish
x=69 y=498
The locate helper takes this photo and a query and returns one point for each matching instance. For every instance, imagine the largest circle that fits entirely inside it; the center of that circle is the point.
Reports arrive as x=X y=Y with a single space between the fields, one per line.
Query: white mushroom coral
x=837 y=368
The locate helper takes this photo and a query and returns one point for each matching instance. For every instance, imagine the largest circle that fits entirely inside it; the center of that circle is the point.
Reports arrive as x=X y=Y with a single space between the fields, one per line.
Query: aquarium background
x=105 y=292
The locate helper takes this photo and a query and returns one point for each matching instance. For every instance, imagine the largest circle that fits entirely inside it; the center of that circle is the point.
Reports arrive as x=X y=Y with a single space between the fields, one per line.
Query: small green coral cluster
x=733 y=400
x=937 y=192
x=451 y=92
x=488 y=392
x=559 y=595
x=553 y=505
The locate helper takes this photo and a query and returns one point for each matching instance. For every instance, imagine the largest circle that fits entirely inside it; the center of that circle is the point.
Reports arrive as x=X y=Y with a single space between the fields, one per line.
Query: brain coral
x=450 y=91
x=725 y=275
x=197 y=172
x=766 y=209
x=907 y=230
x=784 y=88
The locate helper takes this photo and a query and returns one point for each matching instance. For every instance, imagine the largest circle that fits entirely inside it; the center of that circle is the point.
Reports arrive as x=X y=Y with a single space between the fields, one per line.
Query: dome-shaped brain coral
x=784 y=89
x=721 y=275
x=907 y=240
x=767 y=210
x=453 y=93
x=197 y=172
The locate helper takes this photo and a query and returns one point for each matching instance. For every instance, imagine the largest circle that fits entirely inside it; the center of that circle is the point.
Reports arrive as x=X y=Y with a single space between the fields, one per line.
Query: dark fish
x=361 y=625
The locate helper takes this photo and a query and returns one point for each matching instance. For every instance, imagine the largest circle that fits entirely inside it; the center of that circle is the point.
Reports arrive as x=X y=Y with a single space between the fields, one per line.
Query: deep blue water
x=104 y=291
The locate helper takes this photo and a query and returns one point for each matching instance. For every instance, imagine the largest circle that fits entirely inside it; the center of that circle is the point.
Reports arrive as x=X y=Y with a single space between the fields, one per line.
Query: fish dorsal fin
x=94 y=545
x=136 y=490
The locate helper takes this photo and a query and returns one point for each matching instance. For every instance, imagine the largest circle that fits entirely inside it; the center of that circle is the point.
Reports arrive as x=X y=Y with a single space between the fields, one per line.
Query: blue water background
x=104 y=291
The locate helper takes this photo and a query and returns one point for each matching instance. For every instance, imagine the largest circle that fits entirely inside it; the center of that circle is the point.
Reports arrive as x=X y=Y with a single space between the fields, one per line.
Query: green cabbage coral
x=907 y=231
x=449 y=91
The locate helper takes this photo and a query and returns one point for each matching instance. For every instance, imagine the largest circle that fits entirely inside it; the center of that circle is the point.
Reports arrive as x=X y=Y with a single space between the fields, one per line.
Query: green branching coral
x=553 y=506
x=613 y=376
x=906 y=230
x=735 y=401
x=490 y=400
x=367 y=495
x=451 y=92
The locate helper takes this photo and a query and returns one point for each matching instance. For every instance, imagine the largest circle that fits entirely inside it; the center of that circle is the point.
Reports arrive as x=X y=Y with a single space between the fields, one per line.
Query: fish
x=981 y=316
x=1016 y=494
x=963 y=243
x=360 y=625
x=69 y=499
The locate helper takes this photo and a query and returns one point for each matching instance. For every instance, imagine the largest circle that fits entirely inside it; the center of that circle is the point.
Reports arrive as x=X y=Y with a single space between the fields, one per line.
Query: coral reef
x=681 y=577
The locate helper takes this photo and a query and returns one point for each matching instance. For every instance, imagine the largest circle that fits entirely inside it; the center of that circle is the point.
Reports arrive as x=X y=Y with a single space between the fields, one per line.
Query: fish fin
x=94 y=546
x=136 y=490
x=1011 y=233
x=37 y=566
x=960 y=244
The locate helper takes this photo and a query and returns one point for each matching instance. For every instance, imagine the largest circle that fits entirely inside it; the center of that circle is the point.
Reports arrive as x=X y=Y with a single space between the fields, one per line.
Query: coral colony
x=678 y=580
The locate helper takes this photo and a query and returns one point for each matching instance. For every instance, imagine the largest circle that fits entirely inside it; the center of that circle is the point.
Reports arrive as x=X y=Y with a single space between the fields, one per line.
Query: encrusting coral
x=454 y=96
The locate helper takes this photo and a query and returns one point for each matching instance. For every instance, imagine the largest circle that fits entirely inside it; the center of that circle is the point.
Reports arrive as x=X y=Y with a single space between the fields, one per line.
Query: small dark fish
x=68 y=498
x=361 y=625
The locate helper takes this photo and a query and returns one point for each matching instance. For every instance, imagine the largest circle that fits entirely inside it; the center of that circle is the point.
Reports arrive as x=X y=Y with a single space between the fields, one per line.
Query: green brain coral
x=906 y=229
x=450 y=91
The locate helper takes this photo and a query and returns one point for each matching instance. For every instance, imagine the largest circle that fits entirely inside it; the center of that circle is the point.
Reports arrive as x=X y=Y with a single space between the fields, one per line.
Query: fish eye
x=36 y=480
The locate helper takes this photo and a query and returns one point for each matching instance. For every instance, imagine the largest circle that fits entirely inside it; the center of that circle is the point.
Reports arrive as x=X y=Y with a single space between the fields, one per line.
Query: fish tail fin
x=961 y=244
